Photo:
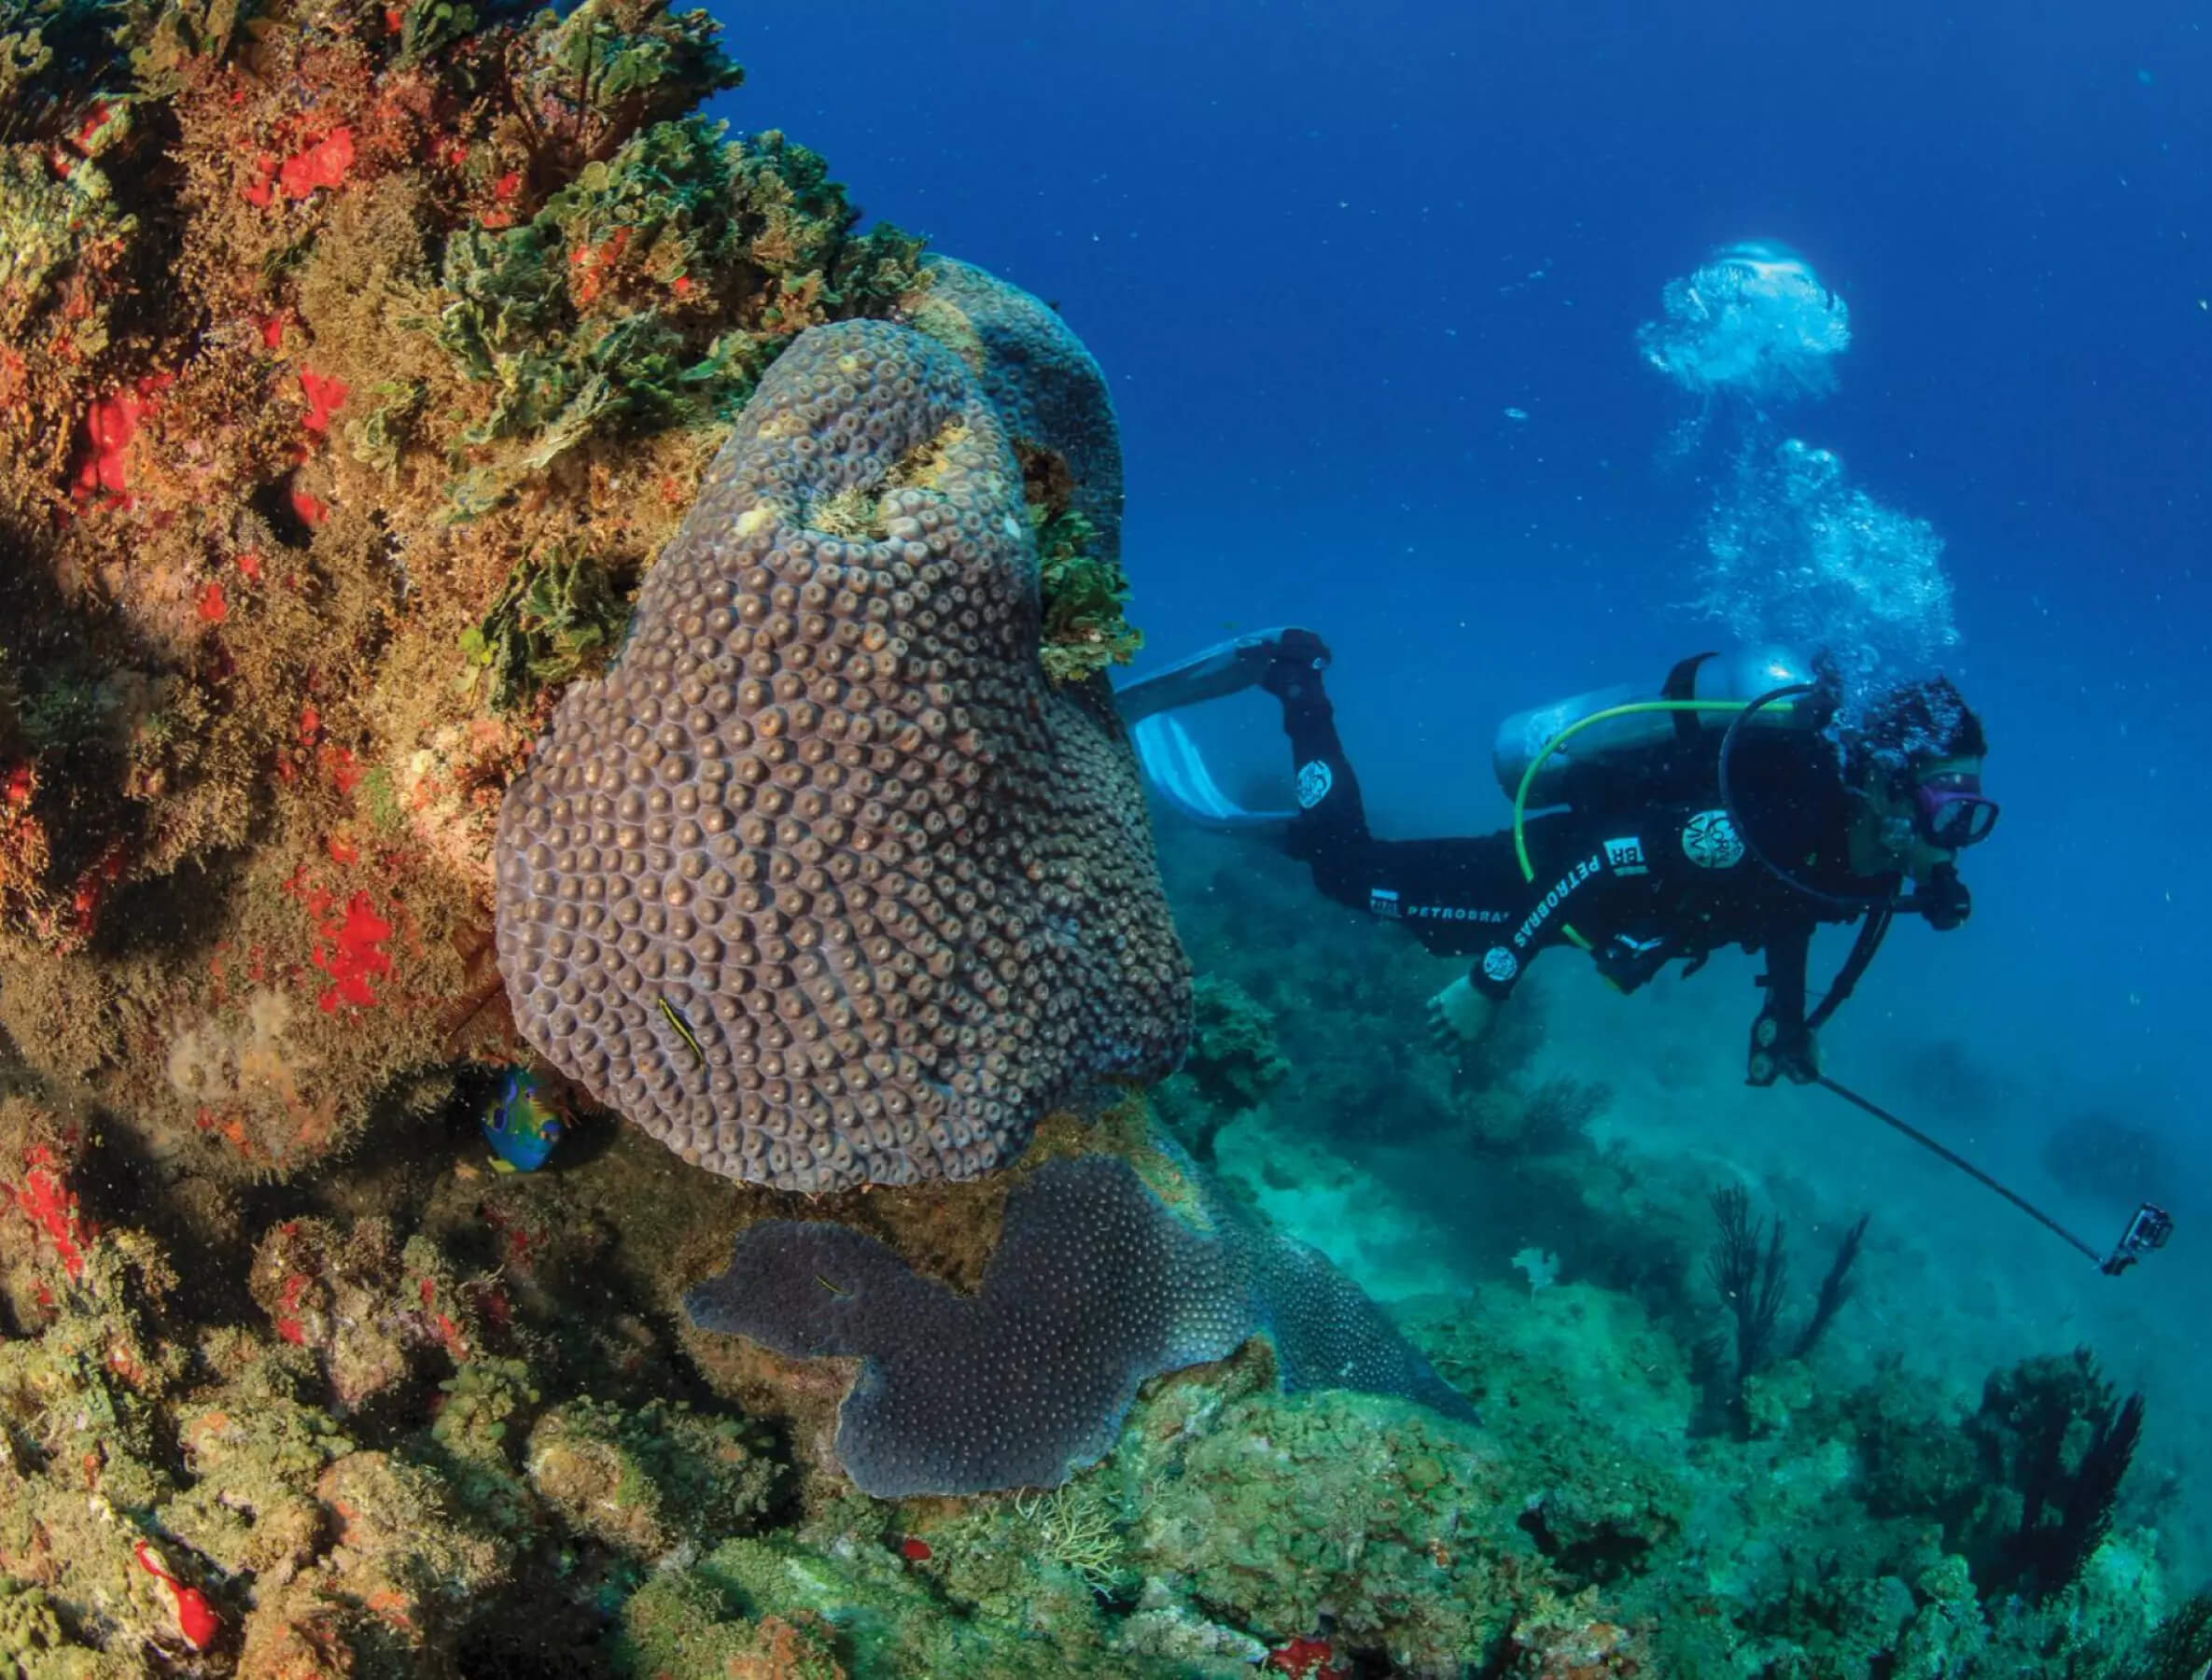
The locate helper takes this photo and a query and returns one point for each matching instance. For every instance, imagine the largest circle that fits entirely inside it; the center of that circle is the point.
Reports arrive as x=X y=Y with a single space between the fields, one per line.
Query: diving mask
x=1948 y=809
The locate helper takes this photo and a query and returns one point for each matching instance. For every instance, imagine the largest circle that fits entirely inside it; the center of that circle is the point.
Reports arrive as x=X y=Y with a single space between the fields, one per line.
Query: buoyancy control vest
x=1625 y=729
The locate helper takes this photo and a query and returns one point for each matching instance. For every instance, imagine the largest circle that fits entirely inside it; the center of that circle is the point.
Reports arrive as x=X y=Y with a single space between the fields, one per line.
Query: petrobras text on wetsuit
x=1560 y=893
x=1384 y=901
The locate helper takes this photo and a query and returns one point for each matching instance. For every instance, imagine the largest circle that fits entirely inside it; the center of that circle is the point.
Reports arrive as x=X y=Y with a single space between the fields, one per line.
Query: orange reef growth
x=354 y=956
x=44 y=1198
x=321 y=336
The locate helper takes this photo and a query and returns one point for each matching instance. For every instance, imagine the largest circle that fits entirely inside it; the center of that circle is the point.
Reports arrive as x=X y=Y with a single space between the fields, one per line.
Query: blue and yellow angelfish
x=524 y=1125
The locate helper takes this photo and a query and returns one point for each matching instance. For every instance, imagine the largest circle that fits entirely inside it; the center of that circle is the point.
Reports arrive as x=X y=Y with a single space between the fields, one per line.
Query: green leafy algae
x=603 y=314
x=57 y=57
x=608 y=68
x=33 y=1641
x=557 y=617
x=1086 y=599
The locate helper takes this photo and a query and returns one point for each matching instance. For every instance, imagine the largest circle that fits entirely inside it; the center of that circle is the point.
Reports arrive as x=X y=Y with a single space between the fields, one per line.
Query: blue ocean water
x=1368 y=281
x=1324 y=251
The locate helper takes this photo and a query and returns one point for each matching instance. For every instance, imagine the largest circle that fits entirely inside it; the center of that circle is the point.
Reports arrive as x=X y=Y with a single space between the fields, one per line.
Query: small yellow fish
x=683 y=1030
x=831 y=1287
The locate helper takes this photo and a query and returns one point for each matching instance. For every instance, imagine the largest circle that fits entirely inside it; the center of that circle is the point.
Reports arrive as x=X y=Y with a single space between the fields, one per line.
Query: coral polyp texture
x=1053 y=399
x=1043 y=382
x=825 y=883
x=1096 y=1285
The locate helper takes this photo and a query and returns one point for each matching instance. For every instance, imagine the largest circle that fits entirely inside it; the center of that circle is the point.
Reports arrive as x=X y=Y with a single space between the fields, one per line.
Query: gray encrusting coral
x=1096 y=1285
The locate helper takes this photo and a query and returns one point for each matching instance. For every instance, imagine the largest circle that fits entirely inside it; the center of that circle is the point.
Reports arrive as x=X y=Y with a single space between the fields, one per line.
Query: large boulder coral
x=1052 y=395
x=825 y=883
x=887 y=1615
x=648 y=1480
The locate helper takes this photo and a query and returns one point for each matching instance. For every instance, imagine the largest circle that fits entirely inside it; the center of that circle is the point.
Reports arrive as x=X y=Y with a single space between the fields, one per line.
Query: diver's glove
x=1627 y=963
x=1295 y=665
x=1944 y=899
x=1781 y=1050
x=1459 y=1016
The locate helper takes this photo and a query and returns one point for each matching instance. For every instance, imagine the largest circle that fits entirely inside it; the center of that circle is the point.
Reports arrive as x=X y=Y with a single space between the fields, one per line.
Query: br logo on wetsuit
x=1651 y=825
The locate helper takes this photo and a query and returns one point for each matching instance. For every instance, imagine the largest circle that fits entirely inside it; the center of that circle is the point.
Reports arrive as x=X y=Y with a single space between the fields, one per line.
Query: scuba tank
x=1609 y=728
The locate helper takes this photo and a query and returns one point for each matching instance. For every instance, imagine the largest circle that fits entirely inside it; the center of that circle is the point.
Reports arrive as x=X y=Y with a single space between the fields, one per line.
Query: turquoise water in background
x=1392 y=297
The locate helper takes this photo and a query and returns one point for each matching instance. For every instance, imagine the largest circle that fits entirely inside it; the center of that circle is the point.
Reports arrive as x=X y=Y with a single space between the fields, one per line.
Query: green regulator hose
x=1626 y=710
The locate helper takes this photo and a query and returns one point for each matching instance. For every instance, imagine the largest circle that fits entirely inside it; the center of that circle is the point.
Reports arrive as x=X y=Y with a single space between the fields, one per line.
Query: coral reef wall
x=356 y=362
x=359 y=361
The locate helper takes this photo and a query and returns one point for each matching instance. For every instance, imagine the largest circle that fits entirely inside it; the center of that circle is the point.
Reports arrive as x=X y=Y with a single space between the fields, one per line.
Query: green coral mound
x=1292 y=1508
x=484 y=1408
x=681 y=1622
x=34 y=1643
x=1232 y=1519
x=483 y=1400
x=256 y=1450
x=958 y=1612
x=646 y=1480
x=1234 y=1062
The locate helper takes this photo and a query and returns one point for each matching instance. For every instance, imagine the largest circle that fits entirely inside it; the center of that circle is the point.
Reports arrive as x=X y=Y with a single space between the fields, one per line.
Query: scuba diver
x=1722 y=810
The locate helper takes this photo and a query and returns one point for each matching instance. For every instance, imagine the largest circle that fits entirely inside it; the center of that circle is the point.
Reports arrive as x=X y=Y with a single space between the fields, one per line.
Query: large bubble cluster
x=1797 y=554
x=1755 y=323
x=1794 y=552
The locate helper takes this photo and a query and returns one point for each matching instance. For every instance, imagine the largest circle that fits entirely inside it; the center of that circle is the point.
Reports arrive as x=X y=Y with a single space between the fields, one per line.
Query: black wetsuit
x=1643 y=867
